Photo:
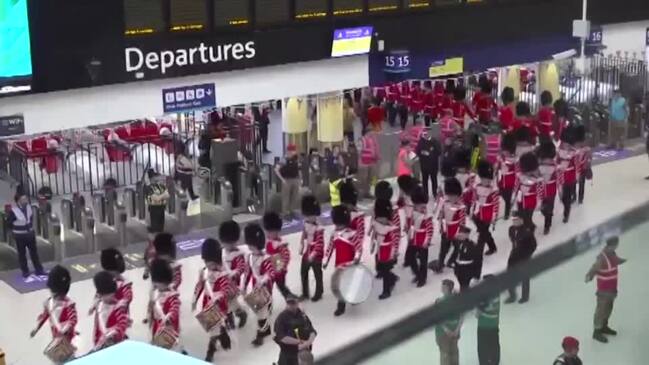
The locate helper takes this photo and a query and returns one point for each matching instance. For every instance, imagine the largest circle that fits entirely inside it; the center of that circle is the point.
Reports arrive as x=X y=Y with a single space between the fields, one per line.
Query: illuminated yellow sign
x=449 y=66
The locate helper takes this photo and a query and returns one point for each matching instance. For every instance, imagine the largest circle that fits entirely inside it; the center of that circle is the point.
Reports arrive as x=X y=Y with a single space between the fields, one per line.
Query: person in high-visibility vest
x=606 y=271
x=20 y=219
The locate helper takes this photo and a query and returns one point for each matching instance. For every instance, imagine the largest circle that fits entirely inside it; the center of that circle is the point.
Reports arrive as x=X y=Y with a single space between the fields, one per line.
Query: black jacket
x=292 y=324
x=523 y=243
x=428 y=151
x=561 y=360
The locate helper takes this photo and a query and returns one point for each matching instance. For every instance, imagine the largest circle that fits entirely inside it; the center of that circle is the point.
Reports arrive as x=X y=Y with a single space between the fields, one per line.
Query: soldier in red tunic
x=383 y=191
x=606 y=271
x=235 y=265
x=452 y=215
x=506 y=114
x=112 y=261
x=460 y=107
x=567 y=160
x=548 y=170
x=166 y=303
x=485 y=205
x=506 y=170
x=406 y=184
x=345 y=242
x=528 y=186
x=383 y=246
x=260 y=273
x=111 y=316
x=484 y=104
x=58 y=309
x=421 y=235
x=311 y=247
x=165 y=249
x=584 y=160
x=214 y=287
x=349 y=198
x=278 y=249
x=546 y=116
x=465 y=176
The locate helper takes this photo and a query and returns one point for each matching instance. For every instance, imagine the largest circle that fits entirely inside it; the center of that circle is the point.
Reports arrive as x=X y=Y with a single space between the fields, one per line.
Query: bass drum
x=352 y=284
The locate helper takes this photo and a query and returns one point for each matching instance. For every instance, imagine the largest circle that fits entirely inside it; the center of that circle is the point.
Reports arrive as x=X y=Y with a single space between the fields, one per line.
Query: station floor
x=617 y=187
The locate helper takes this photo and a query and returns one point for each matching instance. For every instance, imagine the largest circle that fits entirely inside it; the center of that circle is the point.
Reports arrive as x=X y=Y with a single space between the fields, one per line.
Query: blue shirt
x=618 y=109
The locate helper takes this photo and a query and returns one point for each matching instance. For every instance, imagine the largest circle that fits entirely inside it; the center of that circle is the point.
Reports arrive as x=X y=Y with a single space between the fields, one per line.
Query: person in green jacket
x=488 y=314
x=447 y=333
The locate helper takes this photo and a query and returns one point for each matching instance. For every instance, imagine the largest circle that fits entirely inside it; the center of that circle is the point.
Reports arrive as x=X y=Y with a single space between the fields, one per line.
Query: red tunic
x=235 y=263
x=584 y=158
x=348 y=248
x=279 y=247
x=260 y=272
x=566 y=156
x=430 y=104
x=549 y=174
x=358 y=224
x=375 y=115
x=528 y=189
x=486 y=202
x=452 y=215
x=485 y=108
x=383 y=240
x=545 y=121
x=507 y=172
x=421 y=230
x=62 y=315
x=417 y=100
x=392 y=93
x=313 y=236
x=460 y=111
x=166 y=312
x=213 y=286
x=507 y=120
x=111 y=323
x=468 y=181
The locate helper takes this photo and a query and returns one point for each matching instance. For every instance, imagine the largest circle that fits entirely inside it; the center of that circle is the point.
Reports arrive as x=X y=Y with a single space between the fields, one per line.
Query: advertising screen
x=15 y=52
x=351 y=41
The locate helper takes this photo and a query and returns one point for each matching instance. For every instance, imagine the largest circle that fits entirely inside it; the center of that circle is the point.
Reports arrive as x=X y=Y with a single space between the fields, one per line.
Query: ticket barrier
x=71 y=228
x=121 y=218
x=225 y=197
x=88 y=230
x=55 y=229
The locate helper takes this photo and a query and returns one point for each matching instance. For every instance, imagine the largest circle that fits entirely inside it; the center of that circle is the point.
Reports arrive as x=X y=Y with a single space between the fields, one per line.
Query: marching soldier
x=349 y=198
x=164 y=245
x=465 y=176
x=165 y=320
x=278 y=250
x=584 y=159
x=506 y=170
x=567 y=159
x=486 y=205
x=112 y=261
x=466 y=258
x=421 y=235
x=311 y=247
x=235 y=264
x=452 y=215
x=383 y=191
x=383 y=246
x=528 y=186
x=111 y=316
x=406 y=184
x=548 y=170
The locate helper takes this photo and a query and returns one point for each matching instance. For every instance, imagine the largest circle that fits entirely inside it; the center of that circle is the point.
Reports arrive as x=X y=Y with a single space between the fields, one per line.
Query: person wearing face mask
x=428 y=151
x=20 y=219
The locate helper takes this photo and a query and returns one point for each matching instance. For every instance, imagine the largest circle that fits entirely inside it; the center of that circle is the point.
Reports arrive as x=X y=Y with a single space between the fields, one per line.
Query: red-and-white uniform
x=62 y=315
x=166 y=312
x=567 y=158
x=357 y=223
x=279 y=247
x=549 y=173
x=486 y=108
x=507 y=167
x=584 y=159
x=405 y=203
x=235 y=264
x=213 y=287
x=111 y=323
x=176 y=267
x=486 y=202
x=392 y=92
x=421 y=231
x=313 y=237
x=347 y=246
x=460 y=111
x=546 y=118
x=467 y=180
x=452 y=215
x=607 y=276
x=383 y=242
x=260 y=272
x=527 y=191
x=447 y=128
x=523 y=148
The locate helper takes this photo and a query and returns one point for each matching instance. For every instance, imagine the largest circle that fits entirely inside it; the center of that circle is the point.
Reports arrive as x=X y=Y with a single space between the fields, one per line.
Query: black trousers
x=391 y=108
x=157 y=218
x=488 y=346
x=582 y=189
x=409 y=256
x=24 y=243
x=280 y=281
x=317 y=272
x=484 y=234
x=349 y=136
x=186 y=183
x=567 y=196
x=288 y=358
x=403 y=115
x=432 y=176
x=384 y=271
x=464 y=274
x=526 y=215
x=263 y=136
x=419 y=264
x=547 y=209
x=444 y=248
x=507 y=197
x=525 y=289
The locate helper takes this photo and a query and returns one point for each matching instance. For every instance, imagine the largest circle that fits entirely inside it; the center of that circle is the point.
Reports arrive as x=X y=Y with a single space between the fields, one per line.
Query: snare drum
x=59 y=350
x=165 y=338
x=210 y=317
x=352 y=284
x=258 y=298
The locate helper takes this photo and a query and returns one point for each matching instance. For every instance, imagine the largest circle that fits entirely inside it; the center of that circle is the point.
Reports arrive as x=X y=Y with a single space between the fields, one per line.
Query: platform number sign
x=396 y=62
x=596 y=35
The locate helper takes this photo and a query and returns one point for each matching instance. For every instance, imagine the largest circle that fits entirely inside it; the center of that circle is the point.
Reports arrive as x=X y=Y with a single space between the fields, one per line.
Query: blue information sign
x=187 y=98
x=396 y=62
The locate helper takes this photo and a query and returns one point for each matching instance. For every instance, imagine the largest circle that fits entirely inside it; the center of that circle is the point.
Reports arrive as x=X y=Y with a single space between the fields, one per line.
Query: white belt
x=464 y=262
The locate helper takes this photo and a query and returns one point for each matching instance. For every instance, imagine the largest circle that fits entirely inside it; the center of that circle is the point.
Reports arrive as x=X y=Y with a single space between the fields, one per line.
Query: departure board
x=447 y=2
x=348 y=7
x=418 y=4
x=375 y=6
x=187 y=15
x=308 y=9
x=231 y=12
x=143 y=16
x=271 y=11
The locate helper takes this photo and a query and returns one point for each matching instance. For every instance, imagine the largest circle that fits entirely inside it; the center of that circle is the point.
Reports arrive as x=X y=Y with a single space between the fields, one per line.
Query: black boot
x=599 y=336
x=608 y=331
x=229 y=321
x=259 y=340
x=225 y=341
x=340 y=309
x=243 y=317
x=211 y=349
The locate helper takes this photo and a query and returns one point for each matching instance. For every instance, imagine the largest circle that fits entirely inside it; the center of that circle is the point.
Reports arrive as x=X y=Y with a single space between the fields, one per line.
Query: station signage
x=187 y=98
x=12 y=125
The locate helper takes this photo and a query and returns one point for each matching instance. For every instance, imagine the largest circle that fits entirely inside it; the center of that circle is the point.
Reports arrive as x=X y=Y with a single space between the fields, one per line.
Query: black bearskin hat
x=112 y=260
x=105 y=283
x=448 y=168
x=547 y=150
x=406 y=183
x=463 y=158
x=508 y=143
x=419 y=195
x=507 y=95
x=546 y=98
x=485 y=170
x=383 y=190
x=310 y=206
x=211 y=251
x=165 y=244
x=272 y=222
x=460 y=93
x=382 y=209
x=348 y=192
x=229 y=232
x=568 y=135
x=161 y=272
x=523 y=109
x=340 y=215
x=580 y=133
x=450 y=86
x=58 y=280
x=523 y=134
x=529 y=162
x=452 y=186
x=254 y=236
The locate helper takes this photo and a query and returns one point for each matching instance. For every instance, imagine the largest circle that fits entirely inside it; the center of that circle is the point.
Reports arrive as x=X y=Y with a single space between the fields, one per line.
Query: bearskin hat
x=254 y=236
x=547 y=150
x=508 y=143
x=165 y=244
x=523 y=109
x=406 y=183
x=546 y=98
x=310 y=206
x=529 y=162
x=211 y=251
x=580 y=133
x=104 y=283
x=112 y=260
x=340 y=215
x=507 y=95
x=459 y=93
x=568 y=135
x=452 y=186
x=383 y=190
x=450 y=86
x=419 y=195
x=463 y=158
x=448 y=168
x=348 y=192
x=485 y=169
x=383 y=209
x=58 y=280
x=229 y=232
x=523 y=134
x=161 y=272
x=272 y=222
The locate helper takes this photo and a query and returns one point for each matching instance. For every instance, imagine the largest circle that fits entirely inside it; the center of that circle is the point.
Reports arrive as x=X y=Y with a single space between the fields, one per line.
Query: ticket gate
x=70 y=228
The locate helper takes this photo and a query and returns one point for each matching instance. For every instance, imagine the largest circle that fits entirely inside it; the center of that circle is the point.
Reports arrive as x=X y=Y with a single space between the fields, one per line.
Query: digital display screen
x=187 y=15
x=375 y=6
x=231 y=12
x=418 y=4
x=351 y=41
x=308 y=9
x=272 y=11
x=15 y=51
x=143 y=16
x=348 y=7
x=447 y=2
